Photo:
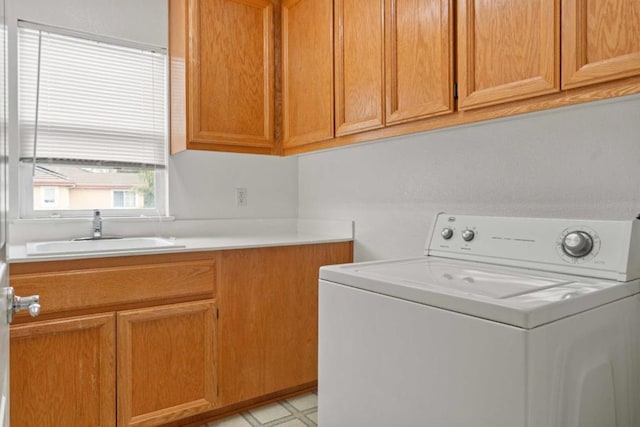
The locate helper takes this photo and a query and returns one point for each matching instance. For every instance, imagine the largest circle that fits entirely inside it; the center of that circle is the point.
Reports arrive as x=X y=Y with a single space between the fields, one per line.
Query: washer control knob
x=577 y=244
x=446 y=233
x=468 y=235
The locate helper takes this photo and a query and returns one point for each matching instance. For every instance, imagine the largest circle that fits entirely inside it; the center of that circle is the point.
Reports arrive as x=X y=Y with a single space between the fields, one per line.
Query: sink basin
x=92 y=246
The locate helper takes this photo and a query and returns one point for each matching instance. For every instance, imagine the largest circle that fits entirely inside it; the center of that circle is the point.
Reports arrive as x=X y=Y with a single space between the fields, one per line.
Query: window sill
x=59 y=220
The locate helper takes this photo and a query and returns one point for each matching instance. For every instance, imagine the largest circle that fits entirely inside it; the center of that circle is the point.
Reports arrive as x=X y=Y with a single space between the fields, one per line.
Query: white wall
x=581 y=161
x=201 y=184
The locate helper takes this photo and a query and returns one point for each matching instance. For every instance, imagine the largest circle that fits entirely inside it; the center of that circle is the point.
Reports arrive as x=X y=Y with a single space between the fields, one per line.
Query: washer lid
x=515 y=296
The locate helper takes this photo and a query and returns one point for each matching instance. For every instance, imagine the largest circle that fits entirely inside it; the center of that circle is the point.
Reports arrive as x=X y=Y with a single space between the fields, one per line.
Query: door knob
x=16 y=304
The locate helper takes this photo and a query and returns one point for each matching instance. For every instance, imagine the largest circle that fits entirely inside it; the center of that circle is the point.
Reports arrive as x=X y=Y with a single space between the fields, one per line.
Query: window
x=123 y=199
x=93 y=120
x=49 y=195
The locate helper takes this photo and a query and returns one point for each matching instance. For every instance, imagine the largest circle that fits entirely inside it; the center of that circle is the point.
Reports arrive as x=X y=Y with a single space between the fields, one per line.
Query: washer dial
x=576 y=245
x=446 y=233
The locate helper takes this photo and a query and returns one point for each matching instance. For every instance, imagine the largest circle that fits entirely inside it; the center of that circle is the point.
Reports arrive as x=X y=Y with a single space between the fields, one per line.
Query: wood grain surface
x=507 y=50
x=228 y=74
x=606 y=90
x=268 y=317
x=508 y=62
x=359 y=65
x=166 y=363
x=63 y=372
x=307 y=71
x=97 y=289
x=419 y=59
x=600 y=41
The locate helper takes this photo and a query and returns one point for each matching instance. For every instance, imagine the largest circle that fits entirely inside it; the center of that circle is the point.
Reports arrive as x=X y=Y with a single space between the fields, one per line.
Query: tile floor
x=299 y=411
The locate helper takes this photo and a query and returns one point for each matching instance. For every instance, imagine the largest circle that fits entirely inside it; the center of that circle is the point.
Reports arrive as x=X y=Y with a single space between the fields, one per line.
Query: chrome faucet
x=97 y=225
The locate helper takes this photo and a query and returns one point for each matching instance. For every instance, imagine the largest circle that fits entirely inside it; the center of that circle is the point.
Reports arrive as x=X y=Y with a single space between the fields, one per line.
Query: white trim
x=77 y=220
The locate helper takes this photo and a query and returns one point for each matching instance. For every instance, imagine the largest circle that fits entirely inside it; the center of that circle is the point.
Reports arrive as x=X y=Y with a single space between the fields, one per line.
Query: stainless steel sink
x=100 y=245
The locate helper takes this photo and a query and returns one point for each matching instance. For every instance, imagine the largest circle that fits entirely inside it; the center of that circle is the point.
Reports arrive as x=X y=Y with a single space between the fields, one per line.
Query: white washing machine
x=505 y=322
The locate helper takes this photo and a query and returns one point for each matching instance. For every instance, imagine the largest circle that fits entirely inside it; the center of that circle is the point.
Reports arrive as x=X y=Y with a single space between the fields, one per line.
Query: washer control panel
x=561 y=245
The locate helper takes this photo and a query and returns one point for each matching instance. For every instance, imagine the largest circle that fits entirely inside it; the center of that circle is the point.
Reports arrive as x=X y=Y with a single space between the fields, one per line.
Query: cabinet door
x=63 y=372
x=600 y=41
x=507 y=50
x=166 y=363
x=419 y=58
x=230 y=79
x=359 y=65
x=307 y=71
x=269 y=317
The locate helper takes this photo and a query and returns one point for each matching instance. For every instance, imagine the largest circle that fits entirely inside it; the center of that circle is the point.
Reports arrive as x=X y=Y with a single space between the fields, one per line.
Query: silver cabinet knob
x=446 y=233
x=577 y=244
x=468 y=235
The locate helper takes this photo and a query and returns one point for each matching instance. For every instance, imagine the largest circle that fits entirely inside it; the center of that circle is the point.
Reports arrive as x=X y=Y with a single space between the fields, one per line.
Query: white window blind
x=89 y=101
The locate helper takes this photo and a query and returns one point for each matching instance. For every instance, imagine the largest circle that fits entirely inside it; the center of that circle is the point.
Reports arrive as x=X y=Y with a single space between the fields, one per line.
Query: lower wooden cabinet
x=200 y=335
x=63 y=372
x=166 y=363
x=125 y=341
x=268 y=327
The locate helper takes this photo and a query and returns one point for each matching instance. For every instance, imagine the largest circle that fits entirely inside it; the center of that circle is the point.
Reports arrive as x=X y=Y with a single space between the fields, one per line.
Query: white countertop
x=190 y=236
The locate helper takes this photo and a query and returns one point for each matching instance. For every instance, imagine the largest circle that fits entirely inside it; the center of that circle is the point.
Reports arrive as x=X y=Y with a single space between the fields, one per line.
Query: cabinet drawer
x=87 y=289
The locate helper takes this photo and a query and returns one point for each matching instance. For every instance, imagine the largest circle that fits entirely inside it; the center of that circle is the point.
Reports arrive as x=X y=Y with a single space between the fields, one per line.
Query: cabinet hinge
x=217 y=313
x=455 y=91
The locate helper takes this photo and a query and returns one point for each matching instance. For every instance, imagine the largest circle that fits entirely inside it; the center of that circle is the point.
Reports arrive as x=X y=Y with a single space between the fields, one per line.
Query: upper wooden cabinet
x=419 y=59
x=359 y=65
x=348 y=71
x=507 y=50
x=600 y=41
x=393 y=57
x=307 y=71
x=222 y=75
x=393 y=62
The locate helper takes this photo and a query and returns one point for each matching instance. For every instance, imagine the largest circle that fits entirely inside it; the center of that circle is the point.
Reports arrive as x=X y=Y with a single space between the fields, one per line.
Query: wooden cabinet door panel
x=63 y=372
x=307 y=71
x=507 y=50
x=359 y=65
x=268 y=317
x=231 y=72
x=166 y=363
x=292 y=328
x=96 y=288
x=600 y=41
x=419 y=58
